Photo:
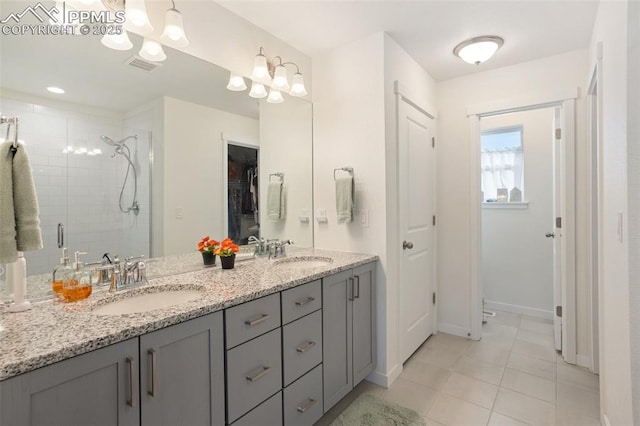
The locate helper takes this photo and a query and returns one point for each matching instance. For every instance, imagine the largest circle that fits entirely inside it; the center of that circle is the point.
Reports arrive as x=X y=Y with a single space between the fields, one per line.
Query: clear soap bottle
x=62 y=272
x=80 y=284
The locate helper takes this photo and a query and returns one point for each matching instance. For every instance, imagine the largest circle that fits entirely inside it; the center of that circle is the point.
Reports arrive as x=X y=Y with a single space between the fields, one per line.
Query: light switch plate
x=364 y=218
x=321 y=216
x=179 y=213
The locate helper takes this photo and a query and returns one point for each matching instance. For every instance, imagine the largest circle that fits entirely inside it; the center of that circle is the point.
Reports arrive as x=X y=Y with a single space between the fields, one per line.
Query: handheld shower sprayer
x=122 y=149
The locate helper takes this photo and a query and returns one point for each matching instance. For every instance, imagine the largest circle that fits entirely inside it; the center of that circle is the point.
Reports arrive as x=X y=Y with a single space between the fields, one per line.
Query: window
x=502 y=164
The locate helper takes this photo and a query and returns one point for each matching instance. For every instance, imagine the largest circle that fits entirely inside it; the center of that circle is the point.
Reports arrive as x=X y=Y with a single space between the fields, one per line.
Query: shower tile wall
x=80 y=190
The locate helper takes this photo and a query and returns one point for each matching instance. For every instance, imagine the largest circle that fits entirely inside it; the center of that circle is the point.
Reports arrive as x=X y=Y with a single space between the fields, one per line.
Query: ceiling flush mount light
x=478 y=49
x=173 y=34
x=271 y=74
x=56 y=90
x=152 y=50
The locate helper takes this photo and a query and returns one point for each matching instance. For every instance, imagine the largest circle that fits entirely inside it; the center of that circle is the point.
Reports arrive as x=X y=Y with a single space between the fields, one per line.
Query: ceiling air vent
x=138 y=62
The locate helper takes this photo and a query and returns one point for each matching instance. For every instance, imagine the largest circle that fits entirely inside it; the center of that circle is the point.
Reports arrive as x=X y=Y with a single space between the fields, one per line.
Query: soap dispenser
x=79 y=285
x=62 y=272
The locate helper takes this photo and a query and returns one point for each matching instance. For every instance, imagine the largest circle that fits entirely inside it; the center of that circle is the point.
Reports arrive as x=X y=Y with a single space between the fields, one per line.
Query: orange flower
x=207 y=245
x=227 y=248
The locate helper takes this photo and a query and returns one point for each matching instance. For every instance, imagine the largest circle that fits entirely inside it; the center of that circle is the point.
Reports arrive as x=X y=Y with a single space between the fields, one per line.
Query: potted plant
x=207 y=247
x=227 y=252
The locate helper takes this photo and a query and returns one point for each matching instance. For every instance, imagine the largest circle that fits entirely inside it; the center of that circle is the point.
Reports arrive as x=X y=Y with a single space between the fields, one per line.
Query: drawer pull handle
x=153 y=391
x=132 y=393
x=305 y=301
x=264 y=317
x=260 y=375
x=307 y=407
x=306 y=347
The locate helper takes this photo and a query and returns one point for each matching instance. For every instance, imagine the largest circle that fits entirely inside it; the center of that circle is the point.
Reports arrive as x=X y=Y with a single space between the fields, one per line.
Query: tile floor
x=513 y=376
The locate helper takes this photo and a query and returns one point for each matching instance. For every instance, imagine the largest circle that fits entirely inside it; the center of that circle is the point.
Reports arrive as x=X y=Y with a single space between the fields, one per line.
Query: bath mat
x=368 y=410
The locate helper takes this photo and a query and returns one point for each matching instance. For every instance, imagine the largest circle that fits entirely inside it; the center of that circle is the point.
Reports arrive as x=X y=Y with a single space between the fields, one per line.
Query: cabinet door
x=364 y=330
x=336 y=337
x=96 y=388
x=182 y=373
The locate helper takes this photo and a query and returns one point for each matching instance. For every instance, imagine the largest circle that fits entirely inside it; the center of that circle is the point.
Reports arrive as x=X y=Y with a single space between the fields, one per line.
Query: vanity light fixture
x=117 y=41
x=273 y=74
x=477 y=50
x=135 y=12
x=173 y=34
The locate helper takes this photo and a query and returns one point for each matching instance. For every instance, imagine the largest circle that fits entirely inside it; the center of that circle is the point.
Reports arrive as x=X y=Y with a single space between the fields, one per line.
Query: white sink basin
x=147 y=302
x=302 y=262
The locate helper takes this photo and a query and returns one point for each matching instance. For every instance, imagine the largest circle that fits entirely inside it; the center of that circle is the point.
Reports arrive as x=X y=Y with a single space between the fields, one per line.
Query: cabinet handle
x=260 y=375
x=350 y=288
x=306 y=347
x=307 y=407
x=154 y=379
x=357 y=292
x=305 y=301
x=132 y=394
x=264 y=317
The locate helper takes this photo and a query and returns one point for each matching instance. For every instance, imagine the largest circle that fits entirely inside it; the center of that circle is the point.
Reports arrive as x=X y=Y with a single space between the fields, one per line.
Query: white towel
x=344 y=199
x=19 y=223
x=274 y=201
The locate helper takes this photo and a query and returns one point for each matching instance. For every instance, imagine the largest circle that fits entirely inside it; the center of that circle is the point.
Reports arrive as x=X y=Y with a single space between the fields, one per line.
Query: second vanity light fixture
x=137 y=19
x=478 y=49
x=272 y=73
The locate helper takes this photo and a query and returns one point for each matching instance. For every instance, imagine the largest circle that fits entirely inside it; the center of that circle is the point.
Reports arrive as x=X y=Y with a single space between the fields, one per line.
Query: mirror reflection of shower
x=121 y=148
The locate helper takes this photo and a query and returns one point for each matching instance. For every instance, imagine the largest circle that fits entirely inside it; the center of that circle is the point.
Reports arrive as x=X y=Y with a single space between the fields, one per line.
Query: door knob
x=407 y=245
x=550 y=235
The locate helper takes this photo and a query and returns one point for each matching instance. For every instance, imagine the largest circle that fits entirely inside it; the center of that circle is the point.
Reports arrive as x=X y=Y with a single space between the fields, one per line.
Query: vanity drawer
x=254 y=373
x=301 y=346
x=267 y=413
x=300 y=301
x=303 y=399
x=251 y=319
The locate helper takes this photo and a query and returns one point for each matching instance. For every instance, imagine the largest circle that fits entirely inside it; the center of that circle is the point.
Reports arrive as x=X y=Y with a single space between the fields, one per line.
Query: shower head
x=108 y=140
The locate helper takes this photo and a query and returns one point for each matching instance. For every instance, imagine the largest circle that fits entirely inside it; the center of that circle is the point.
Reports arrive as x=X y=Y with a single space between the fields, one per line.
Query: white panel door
x=557 y=231
x=416 y=194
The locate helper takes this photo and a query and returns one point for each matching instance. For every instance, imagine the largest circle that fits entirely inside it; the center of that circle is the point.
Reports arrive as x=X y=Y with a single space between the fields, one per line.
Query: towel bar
x=277 y=174
x=347 y=169
x=11 y=121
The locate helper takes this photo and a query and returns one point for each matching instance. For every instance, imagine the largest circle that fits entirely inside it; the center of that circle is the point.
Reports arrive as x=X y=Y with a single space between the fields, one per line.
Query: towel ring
x=277 y=174
x=11 y=121
x=347 y=169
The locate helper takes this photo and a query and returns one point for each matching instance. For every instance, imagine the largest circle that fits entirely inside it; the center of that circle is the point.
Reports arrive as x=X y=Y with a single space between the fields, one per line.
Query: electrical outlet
x=179 y=213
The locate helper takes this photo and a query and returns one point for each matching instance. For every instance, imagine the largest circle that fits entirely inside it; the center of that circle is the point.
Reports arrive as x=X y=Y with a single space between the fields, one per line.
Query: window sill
x=522 y=205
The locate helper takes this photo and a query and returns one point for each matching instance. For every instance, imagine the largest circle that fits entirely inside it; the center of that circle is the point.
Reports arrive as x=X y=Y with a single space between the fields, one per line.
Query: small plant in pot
x=207 y=247
x=227 y=252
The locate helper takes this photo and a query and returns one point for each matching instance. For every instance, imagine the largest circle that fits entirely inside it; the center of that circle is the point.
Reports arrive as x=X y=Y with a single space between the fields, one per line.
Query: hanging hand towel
x=274 y=201
x=283 y=202
x=344 y=199
x=20 y=224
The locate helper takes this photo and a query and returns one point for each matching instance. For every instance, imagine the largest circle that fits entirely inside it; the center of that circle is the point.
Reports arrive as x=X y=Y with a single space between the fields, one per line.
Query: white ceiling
x=429 y=30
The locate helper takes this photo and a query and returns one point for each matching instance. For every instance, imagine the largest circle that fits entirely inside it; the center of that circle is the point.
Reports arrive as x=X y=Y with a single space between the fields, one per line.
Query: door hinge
x=434 y=298
x=559 y=222
x=434 y=220
x=558 y=133
x=559 y=311
x=433 y=142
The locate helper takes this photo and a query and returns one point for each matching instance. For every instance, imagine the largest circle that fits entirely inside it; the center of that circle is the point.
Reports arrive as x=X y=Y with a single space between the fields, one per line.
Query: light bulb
x=117 y=41
x=152 y=50
x=297 y=86
x=257 y=90
x=261 y=70
x=173 y=34
x=275 y=97
x=236 y=83
x=136 y=16
x=280 y=81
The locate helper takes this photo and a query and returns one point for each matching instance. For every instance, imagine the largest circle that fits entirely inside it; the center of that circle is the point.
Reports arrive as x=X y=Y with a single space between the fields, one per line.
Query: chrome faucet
x=132 y=272
x=261 y=246
x=277 y=248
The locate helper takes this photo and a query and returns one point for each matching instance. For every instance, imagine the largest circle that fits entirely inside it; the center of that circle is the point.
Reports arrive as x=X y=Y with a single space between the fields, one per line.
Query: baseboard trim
x=517 y=309
x=454 y=329
x=385 y=380
x=583 y=361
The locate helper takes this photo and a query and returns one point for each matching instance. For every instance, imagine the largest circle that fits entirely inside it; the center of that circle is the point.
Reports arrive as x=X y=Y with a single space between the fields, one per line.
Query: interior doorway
x=243 y=216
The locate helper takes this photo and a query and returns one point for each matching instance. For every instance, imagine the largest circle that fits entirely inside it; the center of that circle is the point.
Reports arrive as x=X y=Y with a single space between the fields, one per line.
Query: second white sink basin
x=302 y=262
x=147 y=302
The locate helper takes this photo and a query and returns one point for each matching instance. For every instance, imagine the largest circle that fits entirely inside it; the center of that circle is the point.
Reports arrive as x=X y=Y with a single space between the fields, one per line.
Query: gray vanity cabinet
x=99 y=387
x=182 y=373
x=348 y=323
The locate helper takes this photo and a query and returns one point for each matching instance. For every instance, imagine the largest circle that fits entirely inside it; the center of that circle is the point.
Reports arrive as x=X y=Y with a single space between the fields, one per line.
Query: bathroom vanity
x=269 y=342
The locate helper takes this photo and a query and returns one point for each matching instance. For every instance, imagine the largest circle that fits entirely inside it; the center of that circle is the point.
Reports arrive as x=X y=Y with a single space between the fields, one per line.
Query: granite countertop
x=53 y=331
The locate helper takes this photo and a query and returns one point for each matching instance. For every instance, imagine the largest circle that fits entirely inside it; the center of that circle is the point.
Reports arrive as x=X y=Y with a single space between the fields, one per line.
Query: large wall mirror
x=134 y=157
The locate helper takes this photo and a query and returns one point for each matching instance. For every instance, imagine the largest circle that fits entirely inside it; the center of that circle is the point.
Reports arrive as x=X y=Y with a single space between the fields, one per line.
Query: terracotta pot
x=209 y=259
x=228 y=261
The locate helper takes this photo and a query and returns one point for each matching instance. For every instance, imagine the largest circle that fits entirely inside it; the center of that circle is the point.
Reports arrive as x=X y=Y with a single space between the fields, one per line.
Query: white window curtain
x=501 y=168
